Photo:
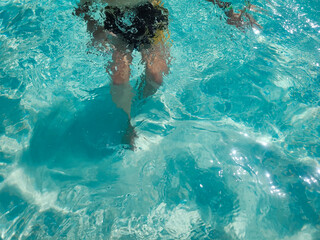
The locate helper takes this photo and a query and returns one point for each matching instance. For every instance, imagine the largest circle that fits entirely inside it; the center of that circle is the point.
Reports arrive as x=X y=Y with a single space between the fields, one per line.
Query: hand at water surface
x=242 y=19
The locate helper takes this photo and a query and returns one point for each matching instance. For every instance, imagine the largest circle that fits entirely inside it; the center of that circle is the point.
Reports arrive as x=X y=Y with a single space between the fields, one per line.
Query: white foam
x=305 y=234
x=178 y=223
x=25 y=185
x=144 y=143
x=9 y=145
x=307 y=114
x=238 y=226
x=283 y=82
x=264 y=140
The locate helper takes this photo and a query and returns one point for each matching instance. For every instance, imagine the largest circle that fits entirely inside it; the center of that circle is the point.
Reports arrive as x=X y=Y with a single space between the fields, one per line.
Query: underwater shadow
x=77 y=132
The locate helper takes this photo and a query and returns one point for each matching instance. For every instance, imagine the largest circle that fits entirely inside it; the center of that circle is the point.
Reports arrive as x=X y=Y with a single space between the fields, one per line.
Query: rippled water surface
x=228 y=147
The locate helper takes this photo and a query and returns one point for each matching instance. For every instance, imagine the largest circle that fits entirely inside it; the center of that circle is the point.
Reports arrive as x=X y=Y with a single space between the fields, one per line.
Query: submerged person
x=140 y=25
x=132 y=25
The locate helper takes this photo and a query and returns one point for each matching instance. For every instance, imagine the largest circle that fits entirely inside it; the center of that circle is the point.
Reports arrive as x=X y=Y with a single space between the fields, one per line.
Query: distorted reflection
x=273 y=188
x=309 y=180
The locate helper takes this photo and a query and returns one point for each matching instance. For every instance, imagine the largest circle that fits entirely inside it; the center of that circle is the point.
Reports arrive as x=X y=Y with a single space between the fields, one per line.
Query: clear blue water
x=228 y=148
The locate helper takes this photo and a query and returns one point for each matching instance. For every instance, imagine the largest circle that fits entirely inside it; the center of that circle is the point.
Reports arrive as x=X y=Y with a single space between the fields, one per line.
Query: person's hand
x=243 y=19
x=82 y=10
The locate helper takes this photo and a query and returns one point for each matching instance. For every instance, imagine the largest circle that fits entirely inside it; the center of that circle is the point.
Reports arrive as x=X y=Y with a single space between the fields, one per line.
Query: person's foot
x=130 y=136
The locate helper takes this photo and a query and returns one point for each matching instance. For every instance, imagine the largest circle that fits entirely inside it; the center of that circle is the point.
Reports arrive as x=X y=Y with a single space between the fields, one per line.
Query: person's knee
x=120 y=76
x=156 y=72
x=120 y=73
x=120 y=68
x=155 y=76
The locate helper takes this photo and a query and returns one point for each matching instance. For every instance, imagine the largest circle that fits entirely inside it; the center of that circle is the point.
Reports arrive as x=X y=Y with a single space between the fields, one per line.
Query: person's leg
x=121 y=90
x=155 y=59
x=120 y=66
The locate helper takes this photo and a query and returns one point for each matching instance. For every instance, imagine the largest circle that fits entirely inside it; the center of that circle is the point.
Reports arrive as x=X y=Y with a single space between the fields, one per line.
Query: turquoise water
x=228 y=147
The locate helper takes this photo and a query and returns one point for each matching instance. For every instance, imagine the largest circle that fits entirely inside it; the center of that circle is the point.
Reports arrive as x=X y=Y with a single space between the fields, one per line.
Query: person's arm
x=83 y=8
x=220 y=4
x=83 y=11
x=237 y=18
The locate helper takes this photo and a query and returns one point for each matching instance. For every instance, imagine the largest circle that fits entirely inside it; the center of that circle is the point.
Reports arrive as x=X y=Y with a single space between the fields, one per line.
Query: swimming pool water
x=228 y=147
